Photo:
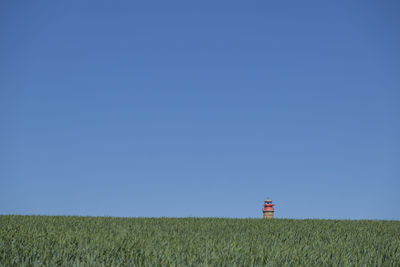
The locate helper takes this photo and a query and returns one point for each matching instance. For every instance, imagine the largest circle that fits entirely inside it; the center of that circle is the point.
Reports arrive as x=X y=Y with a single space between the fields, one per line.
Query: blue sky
x=200 y=108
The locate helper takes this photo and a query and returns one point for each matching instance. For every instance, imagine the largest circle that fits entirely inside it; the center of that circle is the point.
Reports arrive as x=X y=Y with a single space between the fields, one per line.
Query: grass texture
x=105 y=241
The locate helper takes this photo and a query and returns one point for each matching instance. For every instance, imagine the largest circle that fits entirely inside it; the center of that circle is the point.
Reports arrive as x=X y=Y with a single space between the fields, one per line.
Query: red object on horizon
x=268 y=210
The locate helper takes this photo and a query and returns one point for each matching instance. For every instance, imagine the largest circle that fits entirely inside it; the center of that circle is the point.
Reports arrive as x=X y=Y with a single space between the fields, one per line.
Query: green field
x=104 y=241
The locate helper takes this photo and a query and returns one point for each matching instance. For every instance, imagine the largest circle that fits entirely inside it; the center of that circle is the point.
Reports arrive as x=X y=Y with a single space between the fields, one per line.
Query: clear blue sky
x=200 y=108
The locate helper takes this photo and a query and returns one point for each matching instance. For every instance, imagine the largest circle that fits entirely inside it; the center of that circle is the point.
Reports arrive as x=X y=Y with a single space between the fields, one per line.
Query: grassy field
x=103 y=241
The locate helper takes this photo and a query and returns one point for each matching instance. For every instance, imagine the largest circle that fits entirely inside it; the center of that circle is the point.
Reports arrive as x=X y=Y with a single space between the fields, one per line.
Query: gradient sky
x=200 y=108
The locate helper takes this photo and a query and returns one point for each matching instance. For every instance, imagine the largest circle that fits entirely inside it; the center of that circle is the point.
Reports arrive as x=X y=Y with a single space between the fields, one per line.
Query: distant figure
x=268 y=210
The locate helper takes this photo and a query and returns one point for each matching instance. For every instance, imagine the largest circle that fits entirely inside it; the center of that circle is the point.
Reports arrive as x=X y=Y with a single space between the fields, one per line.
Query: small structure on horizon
x=268 y=210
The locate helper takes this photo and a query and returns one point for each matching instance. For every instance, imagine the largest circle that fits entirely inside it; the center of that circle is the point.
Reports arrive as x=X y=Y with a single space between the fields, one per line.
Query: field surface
x=104 y=241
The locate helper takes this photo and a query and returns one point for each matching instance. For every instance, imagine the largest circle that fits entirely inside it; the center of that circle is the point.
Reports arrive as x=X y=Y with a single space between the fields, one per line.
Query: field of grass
x=103 y=241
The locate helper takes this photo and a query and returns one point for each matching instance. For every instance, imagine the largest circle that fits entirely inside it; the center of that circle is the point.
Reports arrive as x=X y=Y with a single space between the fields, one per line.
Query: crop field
x=106 y=241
